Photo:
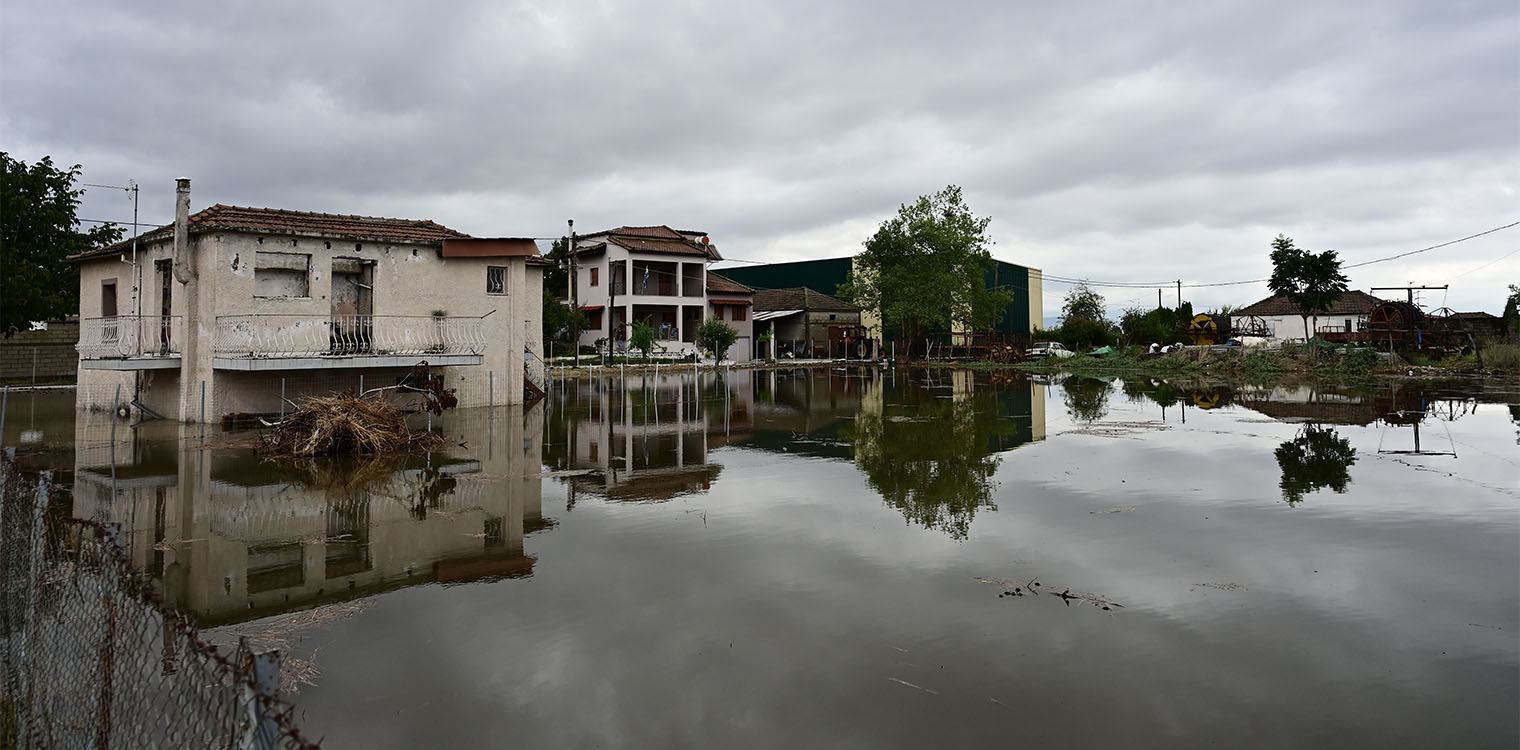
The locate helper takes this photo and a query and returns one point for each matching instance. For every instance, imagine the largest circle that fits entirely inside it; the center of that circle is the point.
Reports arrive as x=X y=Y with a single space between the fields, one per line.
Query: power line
x=1486 y=265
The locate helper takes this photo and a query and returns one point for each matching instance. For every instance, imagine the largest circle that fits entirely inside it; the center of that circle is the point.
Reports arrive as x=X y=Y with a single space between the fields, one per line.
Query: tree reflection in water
x=1317 y=457
x=1086 y=398
x=930 y=461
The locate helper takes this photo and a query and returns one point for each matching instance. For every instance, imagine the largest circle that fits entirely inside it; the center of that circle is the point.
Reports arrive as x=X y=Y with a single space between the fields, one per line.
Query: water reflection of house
x=646 y=437
x=1318 y=404
x=231 y=537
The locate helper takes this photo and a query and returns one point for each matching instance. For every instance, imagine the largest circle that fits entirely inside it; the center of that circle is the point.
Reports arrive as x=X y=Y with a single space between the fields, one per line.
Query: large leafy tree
x=925 y=269
x=1311 y=281
x=37 y=205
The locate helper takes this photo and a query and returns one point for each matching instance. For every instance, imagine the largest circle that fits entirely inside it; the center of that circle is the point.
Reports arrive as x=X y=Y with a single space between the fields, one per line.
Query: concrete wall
x=41 y=356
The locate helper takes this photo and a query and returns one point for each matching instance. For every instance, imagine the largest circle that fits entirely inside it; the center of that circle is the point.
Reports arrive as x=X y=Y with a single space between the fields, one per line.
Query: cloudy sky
x=1117 y=142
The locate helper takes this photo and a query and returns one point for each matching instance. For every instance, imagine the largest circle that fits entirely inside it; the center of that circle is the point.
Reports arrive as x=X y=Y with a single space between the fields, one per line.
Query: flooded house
x=657 y=274
x=240 y=310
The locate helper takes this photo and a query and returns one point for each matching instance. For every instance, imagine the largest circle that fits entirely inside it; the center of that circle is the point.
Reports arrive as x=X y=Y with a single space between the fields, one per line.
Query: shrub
x=1502 y=357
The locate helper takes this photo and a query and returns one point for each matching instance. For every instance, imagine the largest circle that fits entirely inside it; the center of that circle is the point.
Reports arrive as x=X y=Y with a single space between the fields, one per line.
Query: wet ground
x=843 y=559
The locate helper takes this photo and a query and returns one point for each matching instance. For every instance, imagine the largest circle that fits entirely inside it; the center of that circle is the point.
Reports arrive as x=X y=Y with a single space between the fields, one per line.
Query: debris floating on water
x=359 y=424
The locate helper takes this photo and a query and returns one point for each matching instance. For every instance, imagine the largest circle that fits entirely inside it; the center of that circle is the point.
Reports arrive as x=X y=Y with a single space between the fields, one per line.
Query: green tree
x=557 y=275
x=1083 y=323
x=1512 y=310
x=1317 y=457
x=924 y=269
x=1311 y=281
x=642 y=337
x=559 y=321
x=40 y=230
x=716 y=337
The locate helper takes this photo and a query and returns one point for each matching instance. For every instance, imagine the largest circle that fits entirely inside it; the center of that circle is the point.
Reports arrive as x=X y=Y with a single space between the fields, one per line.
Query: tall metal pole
x=1179 y=294
x=575 y=307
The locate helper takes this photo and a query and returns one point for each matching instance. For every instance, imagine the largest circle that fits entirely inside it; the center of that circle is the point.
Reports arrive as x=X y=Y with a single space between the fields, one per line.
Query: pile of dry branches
x=344 y=424
x=358 y=424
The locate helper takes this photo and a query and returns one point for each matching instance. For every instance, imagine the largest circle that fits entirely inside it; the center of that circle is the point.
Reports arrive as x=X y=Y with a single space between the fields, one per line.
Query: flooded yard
x=851 y=558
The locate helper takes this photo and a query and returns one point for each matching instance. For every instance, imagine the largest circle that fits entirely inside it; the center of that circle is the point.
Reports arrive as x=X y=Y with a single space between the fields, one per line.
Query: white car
x=1043 y=349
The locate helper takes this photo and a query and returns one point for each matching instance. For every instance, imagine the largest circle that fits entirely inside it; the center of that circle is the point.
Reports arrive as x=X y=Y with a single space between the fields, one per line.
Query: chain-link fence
x=94 y=659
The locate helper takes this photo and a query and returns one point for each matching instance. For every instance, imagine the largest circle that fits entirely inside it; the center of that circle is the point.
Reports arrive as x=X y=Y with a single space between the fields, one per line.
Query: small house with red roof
x=240 y=310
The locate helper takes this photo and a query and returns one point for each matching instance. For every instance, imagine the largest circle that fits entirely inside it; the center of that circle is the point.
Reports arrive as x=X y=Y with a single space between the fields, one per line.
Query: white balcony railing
x=260 y=336
x=124 y=336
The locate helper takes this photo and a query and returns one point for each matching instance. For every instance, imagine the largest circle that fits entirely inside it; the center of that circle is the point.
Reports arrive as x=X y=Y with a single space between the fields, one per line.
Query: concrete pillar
x=200 y=314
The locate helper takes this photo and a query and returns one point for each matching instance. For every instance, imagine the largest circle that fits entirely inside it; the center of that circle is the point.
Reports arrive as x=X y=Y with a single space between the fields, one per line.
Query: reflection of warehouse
x=228 y=537
x=809 y=411
x=647 y=437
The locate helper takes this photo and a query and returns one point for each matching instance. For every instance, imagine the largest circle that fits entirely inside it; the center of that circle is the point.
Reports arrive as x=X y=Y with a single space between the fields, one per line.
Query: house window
x=109 y=329
x=738 y=312
x=596 y=277
x=496 y=280
x=108 y=298
x=281 y=275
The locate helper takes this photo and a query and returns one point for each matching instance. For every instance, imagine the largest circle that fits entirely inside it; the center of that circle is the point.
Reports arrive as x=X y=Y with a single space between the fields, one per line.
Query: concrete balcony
x=297 y=342
x=130 y=342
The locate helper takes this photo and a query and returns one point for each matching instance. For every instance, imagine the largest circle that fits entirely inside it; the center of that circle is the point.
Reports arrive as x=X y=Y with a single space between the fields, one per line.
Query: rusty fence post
x=259 y=675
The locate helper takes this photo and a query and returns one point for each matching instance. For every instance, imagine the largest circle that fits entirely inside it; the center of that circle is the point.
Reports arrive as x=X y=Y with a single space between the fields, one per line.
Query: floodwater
x=842 y=558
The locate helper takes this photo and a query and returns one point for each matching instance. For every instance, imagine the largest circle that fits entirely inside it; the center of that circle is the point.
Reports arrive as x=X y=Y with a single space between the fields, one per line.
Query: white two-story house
x=660 y=275
x=244 y=310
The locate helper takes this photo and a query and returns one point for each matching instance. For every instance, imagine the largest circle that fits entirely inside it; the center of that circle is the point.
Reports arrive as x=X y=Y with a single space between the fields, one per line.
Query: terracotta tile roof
x=657 y=232
x=1351 y=303
x=798 y=298
x=657 y=239
x=226 y=218
x=724 y=285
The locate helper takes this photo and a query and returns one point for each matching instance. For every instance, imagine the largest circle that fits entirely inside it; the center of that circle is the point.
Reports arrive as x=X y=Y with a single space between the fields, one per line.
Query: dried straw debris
x=359 y=424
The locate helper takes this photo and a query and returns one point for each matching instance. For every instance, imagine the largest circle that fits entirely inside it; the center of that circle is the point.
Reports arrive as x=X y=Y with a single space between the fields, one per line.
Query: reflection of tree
x=929 y=459
x=1140 y=389
x=1317 y=457
x=1086 y=398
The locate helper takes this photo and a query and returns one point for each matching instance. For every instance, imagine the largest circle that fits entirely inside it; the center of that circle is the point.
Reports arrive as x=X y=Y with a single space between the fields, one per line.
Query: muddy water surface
x=846 y=559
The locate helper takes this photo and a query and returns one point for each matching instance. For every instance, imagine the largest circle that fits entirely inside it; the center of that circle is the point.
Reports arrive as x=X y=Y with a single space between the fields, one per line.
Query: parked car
x=1043 y=349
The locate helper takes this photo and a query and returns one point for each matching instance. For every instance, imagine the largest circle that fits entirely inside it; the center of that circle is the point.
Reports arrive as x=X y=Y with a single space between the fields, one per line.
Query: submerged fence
x=94 y=659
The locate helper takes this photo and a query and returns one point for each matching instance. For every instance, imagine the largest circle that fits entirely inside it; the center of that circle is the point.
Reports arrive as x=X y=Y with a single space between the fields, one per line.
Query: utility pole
x=1179 y=294
x=1158 y=298
x=575 y=307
